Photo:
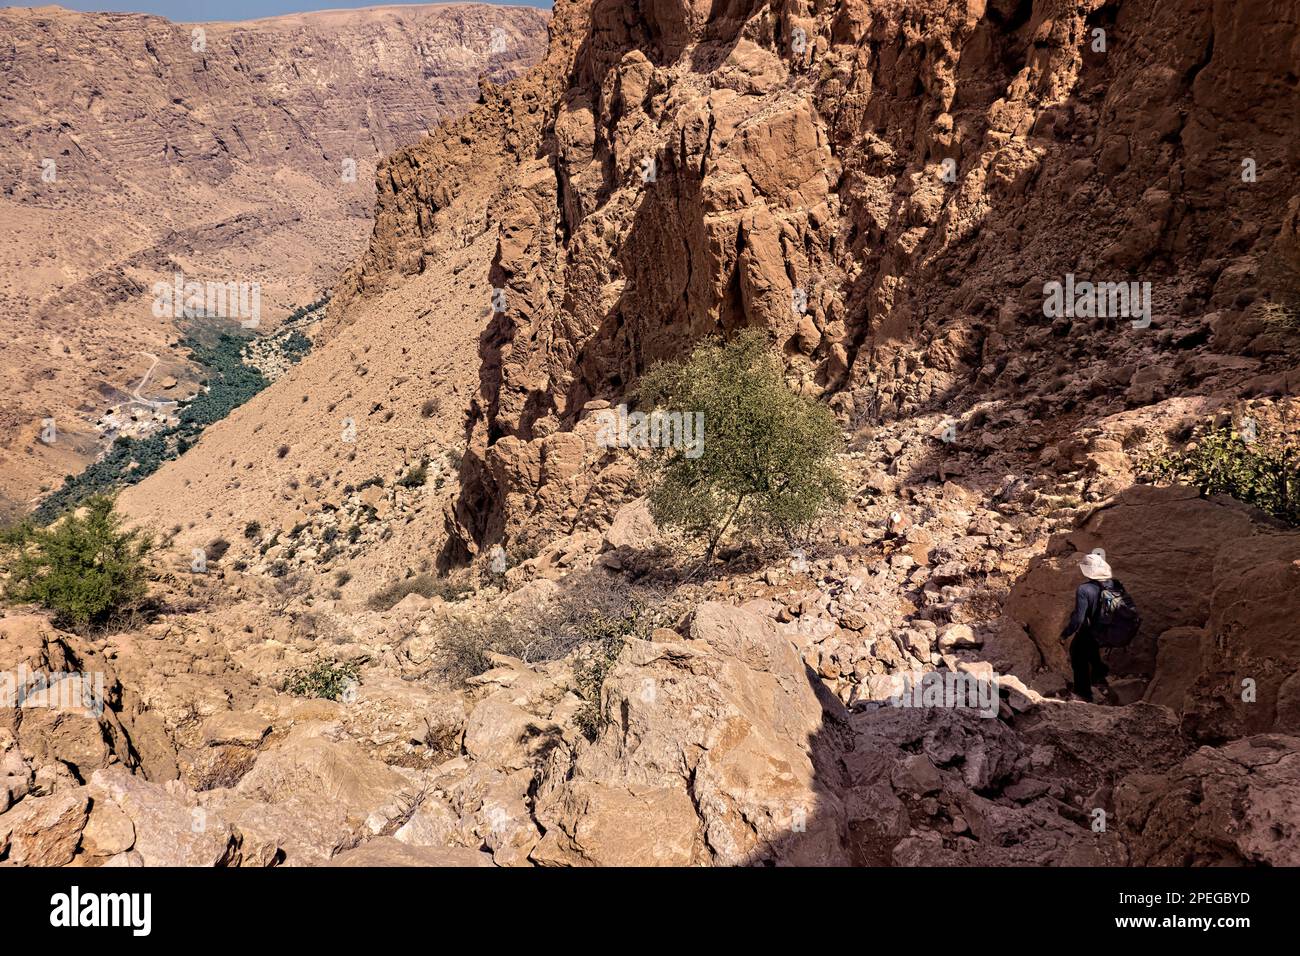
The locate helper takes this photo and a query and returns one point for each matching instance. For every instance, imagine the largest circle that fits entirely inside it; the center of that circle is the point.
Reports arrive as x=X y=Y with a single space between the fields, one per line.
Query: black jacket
x=1086 y=598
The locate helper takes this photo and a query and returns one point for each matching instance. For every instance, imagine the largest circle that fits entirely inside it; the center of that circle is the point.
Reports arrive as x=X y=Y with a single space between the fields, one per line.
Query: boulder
x=1227 y=806
x=709 y=750
x=307 y=769
x=241 y=729
x=171 y=829
x=45 y=831
x=632 y=527
x=109 y=831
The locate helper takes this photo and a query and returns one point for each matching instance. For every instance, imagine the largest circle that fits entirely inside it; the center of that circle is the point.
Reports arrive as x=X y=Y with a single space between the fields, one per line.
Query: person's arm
x=1081 y=604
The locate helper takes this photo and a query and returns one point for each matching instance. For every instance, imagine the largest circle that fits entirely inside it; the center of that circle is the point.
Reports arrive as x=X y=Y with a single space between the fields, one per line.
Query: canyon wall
x=913 y=170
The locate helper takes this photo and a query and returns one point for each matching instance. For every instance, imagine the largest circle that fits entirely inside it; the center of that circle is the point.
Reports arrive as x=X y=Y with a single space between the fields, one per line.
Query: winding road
x=136 y=397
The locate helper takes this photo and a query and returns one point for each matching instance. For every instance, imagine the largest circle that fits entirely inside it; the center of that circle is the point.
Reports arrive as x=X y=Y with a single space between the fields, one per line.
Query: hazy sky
x=194 y=11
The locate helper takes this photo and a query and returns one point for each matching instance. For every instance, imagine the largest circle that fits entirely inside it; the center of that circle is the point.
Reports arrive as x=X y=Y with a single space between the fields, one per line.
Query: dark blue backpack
x=1116 y=620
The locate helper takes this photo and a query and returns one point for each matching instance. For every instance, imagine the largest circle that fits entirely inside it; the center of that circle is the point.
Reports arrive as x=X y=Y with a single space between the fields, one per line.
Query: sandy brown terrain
x=132 y=148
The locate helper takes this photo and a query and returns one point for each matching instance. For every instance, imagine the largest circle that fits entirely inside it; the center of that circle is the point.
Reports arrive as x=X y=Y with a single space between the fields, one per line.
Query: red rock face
x=915 y=171
x=672 y=170
x=888 y=189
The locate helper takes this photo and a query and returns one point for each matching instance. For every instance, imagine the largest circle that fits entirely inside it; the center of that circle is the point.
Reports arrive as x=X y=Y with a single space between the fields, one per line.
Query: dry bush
x=216 y=549
x=464 y=642
x=591 y=620
x=426 y=585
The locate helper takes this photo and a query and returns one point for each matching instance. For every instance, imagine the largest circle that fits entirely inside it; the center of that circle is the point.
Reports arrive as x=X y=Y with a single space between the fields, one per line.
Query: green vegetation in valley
x=229 y=383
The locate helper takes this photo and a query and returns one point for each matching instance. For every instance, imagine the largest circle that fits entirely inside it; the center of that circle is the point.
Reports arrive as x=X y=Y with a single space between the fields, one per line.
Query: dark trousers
x=1085 y=657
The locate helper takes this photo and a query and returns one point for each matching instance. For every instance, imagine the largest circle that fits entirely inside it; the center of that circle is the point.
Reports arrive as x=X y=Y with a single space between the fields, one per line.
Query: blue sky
x=194 y=11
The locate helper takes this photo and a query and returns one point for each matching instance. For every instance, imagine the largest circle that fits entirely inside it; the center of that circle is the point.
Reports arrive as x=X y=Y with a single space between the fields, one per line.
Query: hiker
x=1104 y=616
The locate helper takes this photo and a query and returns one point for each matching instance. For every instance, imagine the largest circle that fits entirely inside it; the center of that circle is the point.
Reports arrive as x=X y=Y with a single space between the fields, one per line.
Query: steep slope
x=132 y=148
x=666 y=175
x=890 y=188
x=380 y=360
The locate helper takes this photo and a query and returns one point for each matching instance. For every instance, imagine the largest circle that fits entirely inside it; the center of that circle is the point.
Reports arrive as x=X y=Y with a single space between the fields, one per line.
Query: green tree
x=85 y=568
x=767 y=460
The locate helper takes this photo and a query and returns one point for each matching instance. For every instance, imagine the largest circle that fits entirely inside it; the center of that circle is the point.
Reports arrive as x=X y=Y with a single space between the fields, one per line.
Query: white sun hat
x=1094 y=565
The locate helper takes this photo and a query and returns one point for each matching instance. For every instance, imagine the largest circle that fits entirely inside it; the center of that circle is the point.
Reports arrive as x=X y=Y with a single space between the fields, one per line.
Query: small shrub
x=282 y=451
x=253 y=530
x=589 y=675
x=465 y=643
x=596 y=625
x=85 y=569
x=521 y=550
x=325 y=680
x=216 y=549
x=426 y=585
x=430 y=407
x=342 y=577
x=415 y=477
x=593 y=622
x=1264 y=472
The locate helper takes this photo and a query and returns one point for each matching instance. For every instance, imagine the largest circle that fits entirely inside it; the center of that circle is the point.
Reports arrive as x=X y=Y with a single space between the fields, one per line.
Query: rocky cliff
x=915 y=173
